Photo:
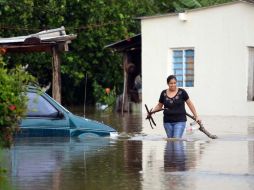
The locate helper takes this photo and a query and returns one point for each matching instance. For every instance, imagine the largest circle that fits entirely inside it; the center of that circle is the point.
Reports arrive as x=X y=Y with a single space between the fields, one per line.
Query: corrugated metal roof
x=57 y=34
x=41 y=41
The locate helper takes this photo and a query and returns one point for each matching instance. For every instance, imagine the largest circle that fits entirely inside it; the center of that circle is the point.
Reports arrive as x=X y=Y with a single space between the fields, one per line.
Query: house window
x=250 y=95
x=183 y=67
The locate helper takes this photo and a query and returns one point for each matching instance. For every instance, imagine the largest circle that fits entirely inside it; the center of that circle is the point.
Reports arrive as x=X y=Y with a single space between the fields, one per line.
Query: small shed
x=132 y=89
x=53 y=41
x=210 y=50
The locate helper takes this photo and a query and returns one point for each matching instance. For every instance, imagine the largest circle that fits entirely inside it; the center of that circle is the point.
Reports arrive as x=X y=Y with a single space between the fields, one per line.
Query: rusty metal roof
x=38 y=42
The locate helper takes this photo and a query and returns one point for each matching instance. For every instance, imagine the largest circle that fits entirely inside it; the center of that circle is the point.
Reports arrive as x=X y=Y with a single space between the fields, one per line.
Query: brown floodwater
x=139 y=158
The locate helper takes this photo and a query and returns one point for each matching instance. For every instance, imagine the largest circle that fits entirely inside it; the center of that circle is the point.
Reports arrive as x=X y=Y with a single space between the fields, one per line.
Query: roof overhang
x=129 y=44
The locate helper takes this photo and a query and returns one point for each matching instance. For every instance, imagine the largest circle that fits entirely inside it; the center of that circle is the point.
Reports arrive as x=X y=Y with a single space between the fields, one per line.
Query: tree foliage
x=182 y=5
x=97 y=24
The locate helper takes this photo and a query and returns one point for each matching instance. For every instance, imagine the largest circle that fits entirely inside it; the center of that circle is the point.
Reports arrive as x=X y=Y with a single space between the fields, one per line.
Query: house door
x=250 y=95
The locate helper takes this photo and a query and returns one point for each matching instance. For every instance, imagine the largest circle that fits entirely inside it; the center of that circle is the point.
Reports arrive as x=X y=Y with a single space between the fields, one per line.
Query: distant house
x=210 y=50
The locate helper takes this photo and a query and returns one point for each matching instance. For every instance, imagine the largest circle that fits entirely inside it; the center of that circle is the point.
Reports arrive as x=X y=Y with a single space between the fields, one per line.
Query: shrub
x=13 y=86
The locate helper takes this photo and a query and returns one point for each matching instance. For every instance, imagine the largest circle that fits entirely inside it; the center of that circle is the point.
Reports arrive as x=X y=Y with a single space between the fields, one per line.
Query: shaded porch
x=54 y=41
x=132 y=90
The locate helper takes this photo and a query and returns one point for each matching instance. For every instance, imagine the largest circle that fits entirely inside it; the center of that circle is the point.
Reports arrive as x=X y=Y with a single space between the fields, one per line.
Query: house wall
x=220 y=37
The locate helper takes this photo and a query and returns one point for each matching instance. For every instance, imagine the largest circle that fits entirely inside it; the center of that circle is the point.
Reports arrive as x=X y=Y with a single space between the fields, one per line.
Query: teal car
x=47 y=118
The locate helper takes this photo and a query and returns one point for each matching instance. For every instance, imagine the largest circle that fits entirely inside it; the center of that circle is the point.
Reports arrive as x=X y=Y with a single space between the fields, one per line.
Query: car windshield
x=58 y=104
x=39 y=106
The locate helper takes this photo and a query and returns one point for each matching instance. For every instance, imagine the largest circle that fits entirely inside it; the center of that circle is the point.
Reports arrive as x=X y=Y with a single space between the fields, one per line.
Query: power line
x=84 y=27
x=78 y=29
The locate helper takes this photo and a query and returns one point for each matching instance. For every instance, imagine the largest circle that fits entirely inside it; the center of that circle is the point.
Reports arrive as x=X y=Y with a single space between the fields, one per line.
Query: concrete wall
x=220 y=37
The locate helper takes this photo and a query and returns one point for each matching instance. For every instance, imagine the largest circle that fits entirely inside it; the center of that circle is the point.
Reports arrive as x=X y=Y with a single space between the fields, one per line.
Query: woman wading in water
x=173 y=99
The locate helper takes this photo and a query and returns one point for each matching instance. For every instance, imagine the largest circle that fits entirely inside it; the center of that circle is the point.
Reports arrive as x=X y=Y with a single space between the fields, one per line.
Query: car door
x=43 y=118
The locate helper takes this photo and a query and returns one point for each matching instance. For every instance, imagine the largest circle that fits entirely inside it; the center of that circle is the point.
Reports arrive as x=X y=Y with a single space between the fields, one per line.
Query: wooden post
x=56 y=72
x=125 y=94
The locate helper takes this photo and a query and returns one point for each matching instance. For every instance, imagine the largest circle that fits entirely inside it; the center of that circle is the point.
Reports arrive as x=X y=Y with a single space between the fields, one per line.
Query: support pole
x=125 y=95
x=56 y=72
x=85 y=95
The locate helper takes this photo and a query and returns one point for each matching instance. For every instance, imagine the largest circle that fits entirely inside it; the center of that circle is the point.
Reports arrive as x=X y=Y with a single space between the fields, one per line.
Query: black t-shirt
x=175 y=111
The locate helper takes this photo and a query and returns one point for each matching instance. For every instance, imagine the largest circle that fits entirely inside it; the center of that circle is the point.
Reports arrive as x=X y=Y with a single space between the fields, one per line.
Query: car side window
x=38 y=106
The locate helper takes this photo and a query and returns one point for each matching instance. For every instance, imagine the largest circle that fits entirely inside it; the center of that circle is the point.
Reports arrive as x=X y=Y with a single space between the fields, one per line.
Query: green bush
x=13 y=86
x=104 y=96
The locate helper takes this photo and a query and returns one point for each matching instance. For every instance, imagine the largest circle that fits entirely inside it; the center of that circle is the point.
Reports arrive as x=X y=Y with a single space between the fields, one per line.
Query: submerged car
x=46 y=117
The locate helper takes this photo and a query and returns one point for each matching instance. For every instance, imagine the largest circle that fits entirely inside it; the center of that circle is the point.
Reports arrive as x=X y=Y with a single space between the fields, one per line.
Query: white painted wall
x=220 y=36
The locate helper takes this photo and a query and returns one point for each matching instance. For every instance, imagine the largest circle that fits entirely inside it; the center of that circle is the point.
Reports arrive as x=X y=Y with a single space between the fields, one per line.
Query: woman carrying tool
x=173 y=99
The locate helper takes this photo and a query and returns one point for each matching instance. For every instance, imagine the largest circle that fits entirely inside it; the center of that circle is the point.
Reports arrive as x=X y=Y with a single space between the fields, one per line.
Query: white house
x=211 y=50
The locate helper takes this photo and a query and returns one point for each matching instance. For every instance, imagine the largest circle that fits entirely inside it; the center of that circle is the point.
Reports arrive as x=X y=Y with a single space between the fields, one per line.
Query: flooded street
x=139 y=158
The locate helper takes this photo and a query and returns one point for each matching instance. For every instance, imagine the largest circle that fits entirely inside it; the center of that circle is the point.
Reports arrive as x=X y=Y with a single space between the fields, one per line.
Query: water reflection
x=132 y=156
x=41 y=163
x=174 y=156
x=251 y=147
x=175 y=161
x=143 y=160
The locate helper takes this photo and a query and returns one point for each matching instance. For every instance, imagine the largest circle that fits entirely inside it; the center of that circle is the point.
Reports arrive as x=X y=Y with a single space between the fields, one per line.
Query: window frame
x=184 y=65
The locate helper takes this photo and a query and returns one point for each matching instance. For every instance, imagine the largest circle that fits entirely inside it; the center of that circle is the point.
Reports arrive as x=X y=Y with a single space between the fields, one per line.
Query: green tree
x=97 y=24
x=182 y=5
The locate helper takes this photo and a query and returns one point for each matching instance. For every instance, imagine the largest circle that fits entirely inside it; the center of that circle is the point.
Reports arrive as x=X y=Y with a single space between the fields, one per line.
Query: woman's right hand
x=149 y=115
x=198 y=120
